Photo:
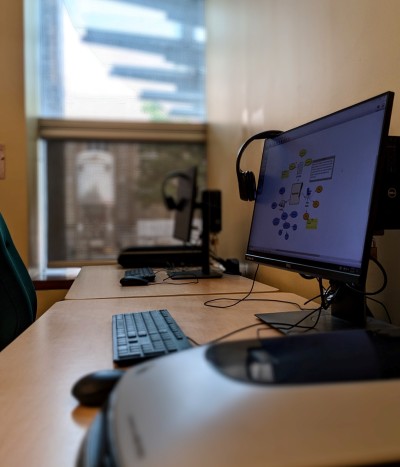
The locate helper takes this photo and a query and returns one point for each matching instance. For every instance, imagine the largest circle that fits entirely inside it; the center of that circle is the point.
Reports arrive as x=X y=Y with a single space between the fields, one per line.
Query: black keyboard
x=144 y=272
x=146 y=334
x=138 y=276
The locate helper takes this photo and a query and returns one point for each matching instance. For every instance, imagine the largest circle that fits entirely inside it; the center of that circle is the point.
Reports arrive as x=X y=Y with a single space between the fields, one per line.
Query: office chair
x=18 y=302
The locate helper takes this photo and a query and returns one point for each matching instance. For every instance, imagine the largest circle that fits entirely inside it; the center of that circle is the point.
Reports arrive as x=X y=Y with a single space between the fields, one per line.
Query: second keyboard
x=144 y=272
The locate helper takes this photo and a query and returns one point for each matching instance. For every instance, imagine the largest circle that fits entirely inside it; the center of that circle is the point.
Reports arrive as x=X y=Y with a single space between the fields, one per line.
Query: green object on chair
x=18 y=302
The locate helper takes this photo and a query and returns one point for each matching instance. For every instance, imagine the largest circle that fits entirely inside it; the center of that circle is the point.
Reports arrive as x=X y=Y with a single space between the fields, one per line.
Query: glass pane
x=105 y=196
x=122 y=59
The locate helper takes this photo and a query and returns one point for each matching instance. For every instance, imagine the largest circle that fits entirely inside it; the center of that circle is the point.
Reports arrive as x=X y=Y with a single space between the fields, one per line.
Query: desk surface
x=43 y=425
x=103 y=282
x=40 y=419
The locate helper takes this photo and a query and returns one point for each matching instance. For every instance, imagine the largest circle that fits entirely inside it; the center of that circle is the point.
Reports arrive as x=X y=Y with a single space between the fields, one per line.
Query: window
x=121 y=105
x=122 y=59
x=105 y=194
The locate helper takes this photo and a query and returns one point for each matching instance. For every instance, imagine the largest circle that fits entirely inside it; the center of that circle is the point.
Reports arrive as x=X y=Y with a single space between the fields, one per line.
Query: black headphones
x=170 y=203
x=247 y=180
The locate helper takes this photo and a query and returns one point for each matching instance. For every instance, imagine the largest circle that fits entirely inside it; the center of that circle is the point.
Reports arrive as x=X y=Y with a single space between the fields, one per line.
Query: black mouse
x=133 y=280
x=93 y=389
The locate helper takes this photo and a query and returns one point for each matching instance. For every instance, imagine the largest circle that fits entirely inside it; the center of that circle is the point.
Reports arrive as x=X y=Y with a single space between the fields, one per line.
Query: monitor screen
x=316 y=203
x=315 y=194
x=186 y=204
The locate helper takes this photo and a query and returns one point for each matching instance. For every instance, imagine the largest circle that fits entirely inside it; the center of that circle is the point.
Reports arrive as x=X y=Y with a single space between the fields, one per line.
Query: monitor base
x=295 y=322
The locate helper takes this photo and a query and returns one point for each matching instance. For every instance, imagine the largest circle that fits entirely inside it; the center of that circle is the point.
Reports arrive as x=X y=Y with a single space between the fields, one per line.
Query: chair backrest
x=18 y=303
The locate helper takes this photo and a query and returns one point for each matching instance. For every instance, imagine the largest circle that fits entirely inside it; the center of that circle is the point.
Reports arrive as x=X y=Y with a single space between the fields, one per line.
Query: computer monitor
x=316 y=203
x=185 y=204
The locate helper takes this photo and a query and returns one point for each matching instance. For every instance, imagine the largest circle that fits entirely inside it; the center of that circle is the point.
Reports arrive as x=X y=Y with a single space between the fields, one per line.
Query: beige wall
x=14 y=188
x=14 y=202
x=274 y=64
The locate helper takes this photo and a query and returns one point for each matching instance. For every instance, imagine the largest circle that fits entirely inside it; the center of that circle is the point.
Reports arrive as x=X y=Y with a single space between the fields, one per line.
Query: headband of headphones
x=246 y=179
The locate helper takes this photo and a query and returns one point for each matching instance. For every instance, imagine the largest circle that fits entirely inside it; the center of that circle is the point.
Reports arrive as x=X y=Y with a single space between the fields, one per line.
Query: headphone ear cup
x=247 y=185
x=169 y=203
x=241 y=177
x=251 y=186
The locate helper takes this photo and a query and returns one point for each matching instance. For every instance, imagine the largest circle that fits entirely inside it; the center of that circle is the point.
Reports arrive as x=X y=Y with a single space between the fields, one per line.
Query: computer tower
x=211 y=199
x=388 y=214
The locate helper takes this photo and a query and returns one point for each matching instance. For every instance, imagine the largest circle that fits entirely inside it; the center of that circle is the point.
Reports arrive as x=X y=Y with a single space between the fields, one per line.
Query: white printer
x=234 y=404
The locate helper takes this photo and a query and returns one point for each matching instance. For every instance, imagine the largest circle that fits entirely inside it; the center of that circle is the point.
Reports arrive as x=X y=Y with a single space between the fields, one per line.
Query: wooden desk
x=41 y=423
x=103 y=282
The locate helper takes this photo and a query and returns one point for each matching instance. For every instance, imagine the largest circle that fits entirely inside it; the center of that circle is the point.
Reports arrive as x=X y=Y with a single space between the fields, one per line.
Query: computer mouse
x=133 y=280
x=94 y=388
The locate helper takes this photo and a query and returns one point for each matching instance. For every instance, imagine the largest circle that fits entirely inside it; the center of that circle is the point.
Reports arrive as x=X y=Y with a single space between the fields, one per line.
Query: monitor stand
x=348 y=310
x=206 y=272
